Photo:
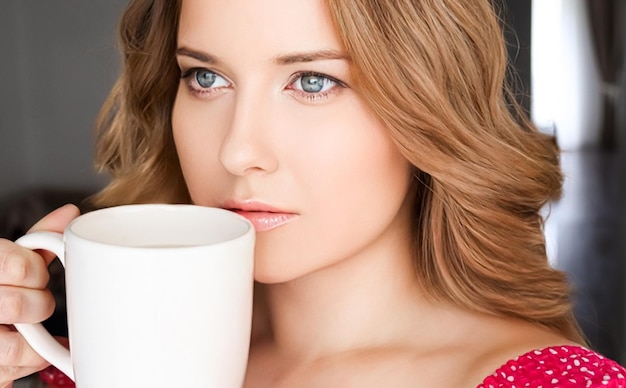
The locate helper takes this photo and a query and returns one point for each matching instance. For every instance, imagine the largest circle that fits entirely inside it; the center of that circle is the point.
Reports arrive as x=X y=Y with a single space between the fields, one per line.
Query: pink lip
x=262 y=216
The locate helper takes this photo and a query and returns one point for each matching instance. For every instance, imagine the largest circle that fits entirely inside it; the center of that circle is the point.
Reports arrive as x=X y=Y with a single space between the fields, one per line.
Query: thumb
x=55 y=221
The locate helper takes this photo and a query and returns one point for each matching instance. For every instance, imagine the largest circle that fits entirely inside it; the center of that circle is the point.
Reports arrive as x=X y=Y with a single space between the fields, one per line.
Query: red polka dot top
x=559 y=366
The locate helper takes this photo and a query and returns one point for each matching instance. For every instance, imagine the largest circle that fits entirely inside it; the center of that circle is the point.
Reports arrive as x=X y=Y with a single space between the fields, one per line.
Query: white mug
x=157 y=296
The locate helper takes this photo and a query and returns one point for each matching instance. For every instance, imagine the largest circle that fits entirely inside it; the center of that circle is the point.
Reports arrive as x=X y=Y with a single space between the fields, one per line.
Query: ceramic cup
x=157 y=296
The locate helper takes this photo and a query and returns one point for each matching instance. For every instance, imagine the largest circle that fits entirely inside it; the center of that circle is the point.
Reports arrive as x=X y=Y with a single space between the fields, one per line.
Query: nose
x=247 y=147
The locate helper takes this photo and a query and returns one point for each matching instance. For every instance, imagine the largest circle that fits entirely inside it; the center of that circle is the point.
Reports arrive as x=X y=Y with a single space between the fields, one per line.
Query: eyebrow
x=199 y=55
x=310 y=57
x=287 y=59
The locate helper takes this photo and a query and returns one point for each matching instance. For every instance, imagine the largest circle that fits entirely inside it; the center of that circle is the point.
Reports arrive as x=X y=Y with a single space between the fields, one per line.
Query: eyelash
x=200 y=92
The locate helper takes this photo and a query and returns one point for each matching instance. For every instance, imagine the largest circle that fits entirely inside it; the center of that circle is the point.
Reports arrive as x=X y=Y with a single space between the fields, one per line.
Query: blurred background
x=58 y=60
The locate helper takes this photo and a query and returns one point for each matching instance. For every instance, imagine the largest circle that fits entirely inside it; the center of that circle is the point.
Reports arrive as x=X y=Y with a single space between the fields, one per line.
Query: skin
x=338 y=301
x=250 y=138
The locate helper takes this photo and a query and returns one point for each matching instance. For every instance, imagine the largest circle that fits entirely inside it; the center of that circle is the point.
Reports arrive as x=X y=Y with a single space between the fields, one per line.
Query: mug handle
x=34 y=333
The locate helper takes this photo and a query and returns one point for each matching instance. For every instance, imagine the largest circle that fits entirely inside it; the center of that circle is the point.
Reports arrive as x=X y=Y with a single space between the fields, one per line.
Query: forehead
x=256 y=26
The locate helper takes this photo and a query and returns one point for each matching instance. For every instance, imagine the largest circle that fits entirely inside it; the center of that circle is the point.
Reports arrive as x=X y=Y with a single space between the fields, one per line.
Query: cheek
x=374 y=185
x=197 y=144
x=355 y=158
x=184 y=138
x=356 y=180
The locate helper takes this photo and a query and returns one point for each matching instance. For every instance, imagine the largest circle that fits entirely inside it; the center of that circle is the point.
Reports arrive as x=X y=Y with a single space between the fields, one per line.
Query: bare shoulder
x=462 y=359
x=467 y=353
x=393 y=366
x=389 y=366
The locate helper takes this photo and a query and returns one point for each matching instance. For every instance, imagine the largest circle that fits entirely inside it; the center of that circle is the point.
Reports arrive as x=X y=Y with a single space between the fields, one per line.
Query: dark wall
x=621 y=100
x=516 y=15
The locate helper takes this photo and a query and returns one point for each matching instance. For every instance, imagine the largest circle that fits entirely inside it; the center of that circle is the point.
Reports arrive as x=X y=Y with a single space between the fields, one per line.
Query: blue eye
x=205 y=78
x=314 y=83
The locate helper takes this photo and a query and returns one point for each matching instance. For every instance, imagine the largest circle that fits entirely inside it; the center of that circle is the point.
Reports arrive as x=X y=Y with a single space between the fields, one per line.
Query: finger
x=24 y=305
x=16 y=353
x=17 y=358
x=8 y=374
x=21 y=267
x=56 y=221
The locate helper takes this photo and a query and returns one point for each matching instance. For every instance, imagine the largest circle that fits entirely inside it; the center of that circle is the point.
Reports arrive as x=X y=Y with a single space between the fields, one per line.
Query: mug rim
x=123 y=210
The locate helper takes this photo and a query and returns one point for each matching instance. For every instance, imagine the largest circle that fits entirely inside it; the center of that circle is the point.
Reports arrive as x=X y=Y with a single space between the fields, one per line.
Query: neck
x=369 y=300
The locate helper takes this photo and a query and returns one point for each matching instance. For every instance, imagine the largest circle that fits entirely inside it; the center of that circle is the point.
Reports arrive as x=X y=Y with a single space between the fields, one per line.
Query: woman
x=393 y=185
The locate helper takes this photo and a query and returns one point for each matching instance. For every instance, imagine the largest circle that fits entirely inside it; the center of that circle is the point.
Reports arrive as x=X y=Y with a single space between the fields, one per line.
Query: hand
x=24 y=297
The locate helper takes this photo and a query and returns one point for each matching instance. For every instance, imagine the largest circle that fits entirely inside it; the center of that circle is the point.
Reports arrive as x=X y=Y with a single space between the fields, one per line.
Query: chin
x=271 y=274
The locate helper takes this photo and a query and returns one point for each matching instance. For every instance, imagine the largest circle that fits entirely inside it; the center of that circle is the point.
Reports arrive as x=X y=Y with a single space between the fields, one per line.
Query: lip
x=262 y=216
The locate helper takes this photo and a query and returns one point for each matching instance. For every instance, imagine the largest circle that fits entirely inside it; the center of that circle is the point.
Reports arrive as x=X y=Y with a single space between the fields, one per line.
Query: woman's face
x=266 y=124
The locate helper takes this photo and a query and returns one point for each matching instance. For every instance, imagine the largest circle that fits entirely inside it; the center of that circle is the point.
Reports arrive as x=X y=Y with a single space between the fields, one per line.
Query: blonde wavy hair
x=433 y=72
